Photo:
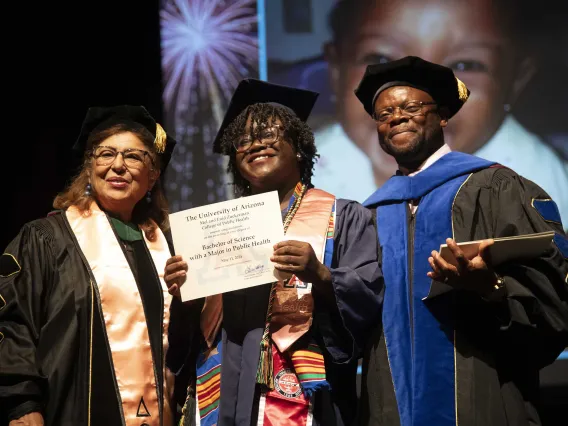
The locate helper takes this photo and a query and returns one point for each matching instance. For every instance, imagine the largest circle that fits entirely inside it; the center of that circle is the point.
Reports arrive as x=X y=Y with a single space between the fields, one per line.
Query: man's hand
x=299 y=258
x=471 y=274
x=31 y=419
x=175 y=274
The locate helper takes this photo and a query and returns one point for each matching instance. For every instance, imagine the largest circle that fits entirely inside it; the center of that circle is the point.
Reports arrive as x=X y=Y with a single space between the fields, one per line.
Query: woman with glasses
x=283 y=353
x=84 y=308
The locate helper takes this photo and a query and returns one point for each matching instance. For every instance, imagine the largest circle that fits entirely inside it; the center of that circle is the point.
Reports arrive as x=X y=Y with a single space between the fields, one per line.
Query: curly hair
x=297 y=132
x=144 y=214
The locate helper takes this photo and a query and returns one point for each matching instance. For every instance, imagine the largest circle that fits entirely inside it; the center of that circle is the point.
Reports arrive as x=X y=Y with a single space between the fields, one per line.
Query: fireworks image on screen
x=208 y=46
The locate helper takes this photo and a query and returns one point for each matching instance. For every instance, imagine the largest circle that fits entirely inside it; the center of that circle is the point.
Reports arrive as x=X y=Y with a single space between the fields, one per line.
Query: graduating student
x=83 y=305
x=455 y=344
x=285 y=353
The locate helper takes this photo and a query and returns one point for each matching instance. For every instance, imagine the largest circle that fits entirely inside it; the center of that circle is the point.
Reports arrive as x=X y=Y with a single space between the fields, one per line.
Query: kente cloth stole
x=297 y=374
x=208 y=387
x=124 y=317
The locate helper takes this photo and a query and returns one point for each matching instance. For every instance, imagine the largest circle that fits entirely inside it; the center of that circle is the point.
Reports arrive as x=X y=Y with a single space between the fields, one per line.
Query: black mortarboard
x=251 y=91
x=100 y=118
x=439 y=81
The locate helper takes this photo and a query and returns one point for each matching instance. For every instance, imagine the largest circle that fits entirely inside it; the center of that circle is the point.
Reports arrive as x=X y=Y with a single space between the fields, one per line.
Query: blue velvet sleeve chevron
x=548 y=210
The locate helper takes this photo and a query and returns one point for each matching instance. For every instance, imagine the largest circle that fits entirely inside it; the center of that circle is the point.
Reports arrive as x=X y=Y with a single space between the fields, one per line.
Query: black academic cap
x=251 y=91
x=100 y=118
x=439 y=81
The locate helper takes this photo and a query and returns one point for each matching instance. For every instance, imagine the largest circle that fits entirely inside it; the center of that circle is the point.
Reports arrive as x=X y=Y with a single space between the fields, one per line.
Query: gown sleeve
x=530 y=324
x=27 y=272
x=535 y=320
x=185 y=342
x=357 y=283
x=183 y=332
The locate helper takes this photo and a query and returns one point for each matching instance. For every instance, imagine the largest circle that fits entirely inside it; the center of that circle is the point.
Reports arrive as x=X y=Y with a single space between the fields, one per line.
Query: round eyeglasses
x=409 y=109
x=133 y=158
x=266 y=136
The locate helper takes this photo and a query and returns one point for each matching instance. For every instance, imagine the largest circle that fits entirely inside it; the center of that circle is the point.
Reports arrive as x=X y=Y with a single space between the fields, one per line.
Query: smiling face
x=471 y=37
x=119 y=185
x=409 y=139
x=268 y=166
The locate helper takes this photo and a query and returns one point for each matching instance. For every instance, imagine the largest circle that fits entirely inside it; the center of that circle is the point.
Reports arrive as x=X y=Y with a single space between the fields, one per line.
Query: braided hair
x=296 y=132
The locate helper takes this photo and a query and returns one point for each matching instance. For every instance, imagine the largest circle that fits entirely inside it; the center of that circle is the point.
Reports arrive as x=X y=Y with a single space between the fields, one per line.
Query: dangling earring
x=148 y=197
x=507 y=107
x=299 y=156
x=88 y=190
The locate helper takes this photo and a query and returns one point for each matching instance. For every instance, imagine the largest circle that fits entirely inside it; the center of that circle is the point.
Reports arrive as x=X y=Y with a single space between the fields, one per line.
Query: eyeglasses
x=133 y=158
x=410 y=109
x=266 y=136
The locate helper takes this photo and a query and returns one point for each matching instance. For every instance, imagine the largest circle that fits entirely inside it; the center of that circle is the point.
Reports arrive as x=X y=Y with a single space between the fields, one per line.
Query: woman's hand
x=299 y=258
x=175 y=274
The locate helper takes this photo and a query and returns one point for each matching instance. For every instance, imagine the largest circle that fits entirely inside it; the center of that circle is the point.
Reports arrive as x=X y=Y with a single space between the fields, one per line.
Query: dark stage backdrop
x=61 y=58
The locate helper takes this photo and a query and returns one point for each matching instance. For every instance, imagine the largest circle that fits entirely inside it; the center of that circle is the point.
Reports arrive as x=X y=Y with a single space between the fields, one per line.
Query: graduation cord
x=264 y=373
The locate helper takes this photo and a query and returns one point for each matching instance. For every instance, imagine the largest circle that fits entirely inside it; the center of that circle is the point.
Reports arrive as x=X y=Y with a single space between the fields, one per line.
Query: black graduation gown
x=499 y=347
x=357 y=285
x=48 y=355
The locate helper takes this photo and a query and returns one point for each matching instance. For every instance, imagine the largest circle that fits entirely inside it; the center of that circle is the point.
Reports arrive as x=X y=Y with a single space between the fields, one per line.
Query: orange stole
x=292 y=310
x=293 y=304
x=123 y=313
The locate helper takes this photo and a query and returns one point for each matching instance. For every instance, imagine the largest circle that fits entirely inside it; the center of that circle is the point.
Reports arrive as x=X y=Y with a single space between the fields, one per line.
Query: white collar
x=445 y=149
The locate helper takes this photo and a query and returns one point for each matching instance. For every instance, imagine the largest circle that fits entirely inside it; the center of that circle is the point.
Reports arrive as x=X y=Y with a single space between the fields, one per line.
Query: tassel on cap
x=462 y=90
x=160 y=140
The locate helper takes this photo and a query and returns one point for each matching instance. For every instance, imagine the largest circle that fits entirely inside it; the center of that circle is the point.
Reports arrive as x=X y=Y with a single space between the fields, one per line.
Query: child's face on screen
x=467 y=36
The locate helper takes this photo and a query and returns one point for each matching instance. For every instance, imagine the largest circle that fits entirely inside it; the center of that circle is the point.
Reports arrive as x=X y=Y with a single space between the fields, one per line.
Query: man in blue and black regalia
x=457 y=344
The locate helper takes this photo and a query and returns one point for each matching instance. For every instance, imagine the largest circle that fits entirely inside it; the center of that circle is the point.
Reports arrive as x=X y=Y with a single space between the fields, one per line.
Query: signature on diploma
x=252 y=269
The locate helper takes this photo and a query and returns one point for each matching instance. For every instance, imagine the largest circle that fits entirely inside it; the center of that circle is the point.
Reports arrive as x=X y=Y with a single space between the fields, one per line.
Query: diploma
x=228 y=245
x=504 y=249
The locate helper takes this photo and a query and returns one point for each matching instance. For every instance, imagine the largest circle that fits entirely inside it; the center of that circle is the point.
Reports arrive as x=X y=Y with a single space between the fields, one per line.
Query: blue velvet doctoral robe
x=445 y=357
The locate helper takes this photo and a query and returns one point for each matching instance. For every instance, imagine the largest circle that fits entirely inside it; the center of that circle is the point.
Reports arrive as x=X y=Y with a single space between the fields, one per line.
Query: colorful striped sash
x=208 y=383
x=310 y=368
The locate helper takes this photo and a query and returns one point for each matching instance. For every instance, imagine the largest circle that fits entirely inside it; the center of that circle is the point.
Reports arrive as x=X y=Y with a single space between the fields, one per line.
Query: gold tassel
x=160 y=140
x=462 y=90
x=265 y=372
x=185 y=409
